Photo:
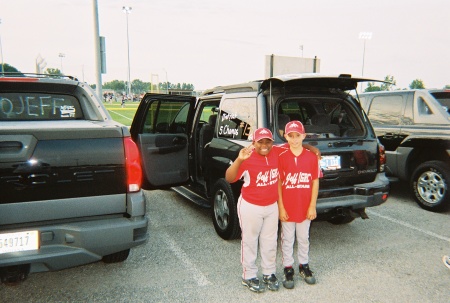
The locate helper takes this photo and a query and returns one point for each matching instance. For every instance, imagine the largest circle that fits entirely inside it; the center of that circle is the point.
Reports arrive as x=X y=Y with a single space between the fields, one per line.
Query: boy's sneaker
x=271 y=281
x=446 y=260
x=306 y=274
x=253 y=285
x=288 y=278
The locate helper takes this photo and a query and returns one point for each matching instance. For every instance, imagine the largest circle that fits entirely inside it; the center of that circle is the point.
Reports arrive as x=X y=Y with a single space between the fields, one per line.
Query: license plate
x=20 y=241
x=330 y=162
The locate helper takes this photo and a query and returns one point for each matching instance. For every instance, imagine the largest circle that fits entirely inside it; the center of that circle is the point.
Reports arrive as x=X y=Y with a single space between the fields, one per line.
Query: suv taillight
x=381 y=152
x=133 y=165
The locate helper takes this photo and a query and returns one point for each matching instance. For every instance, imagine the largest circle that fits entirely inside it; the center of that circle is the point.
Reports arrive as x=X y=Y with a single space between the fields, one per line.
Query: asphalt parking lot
x=395 y=256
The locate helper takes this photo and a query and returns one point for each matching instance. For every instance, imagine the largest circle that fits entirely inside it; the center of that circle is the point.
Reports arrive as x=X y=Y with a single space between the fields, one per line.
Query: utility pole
x=98 y=73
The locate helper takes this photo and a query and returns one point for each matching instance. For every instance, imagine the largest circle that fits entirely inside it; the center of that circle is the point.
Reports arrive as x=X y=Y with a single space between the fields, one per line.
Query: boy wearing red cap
x=298 y=189
x=257 y=208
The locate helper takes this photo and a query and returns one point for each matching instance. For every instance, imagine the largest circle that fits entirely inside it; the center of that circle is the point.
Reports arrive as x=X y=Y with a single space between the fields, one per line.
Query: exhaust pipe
x=354 y=213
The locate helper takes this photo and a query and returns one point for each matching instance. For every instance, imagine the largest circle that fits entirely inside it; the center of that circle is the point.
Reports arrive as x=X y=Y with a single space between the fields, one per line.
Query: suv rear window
x=322 y=117
x=38 y=106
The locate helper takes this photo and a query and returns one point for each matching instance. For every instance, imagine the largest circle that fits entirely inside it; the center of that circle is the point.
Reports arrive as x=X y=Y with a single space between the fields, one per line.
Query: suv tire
x=429 y=183
x=225 y=218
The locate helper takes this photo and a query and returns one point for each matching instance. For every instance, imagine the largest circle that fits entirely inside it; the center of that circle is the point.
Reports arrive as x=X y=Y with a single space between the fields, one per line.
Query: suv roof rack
x=234 y=88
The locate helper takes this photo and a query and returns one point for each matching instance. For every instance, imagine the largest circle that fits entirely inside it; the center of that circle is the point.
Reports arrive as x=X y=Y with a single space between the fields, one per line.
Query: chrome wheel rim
x=221 y=210
x=431 y=187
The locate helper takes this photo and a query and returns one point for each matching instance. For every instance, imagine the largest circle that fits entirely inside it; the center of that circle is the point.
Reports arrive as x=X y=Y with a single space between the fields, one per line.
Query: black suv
x=190 y=142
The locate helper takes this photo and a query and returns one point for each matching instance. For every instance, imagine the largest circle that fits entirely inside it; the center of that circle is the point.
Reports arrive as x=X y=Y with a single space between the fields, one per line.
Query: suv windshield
x=38 y=106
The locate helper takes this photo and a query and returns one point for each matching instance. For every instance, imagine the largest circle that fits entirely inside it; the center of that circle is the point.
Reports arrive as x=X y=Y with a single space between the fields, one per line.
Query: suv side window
x=386 y=110
x=166 y=117
x=237 y=118
x=423 y=108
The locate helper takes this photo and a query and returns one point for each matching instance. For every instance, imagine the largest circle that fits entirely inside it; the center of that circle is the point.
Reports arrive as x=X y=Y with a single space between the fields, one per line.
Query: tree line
x=137 y=86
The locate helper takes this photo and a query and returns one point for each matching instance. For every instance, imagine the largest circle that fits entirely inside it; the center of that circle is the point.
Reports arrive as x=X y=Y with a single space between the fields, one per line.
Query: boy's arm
x=314 y=149
x=312 y=213
x=232 y=171
x=281 y=210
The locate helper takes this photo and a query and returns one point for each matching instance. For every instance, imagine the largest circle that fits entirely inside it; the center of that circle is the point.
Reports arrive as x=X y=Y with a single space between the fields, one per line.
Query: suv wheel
x=429 y=183
x=225 y=219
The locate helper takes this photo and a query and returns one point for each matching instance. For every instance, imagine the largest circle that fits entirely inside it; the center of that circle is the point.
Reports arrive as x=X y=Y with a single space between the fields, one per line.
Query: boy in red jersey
x=257 y=207
x=298 y=189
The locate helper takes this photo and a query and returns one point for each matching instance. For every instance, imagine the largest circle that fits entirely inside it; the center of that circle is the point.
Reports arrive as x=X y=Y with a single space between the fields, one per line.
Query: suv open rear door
x=161 y=128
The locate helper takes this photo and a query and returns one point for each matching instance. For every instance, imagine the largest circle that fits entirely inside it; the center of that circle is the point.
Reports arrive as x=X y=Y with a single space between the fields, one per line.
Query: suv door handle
x=388 y=135
x=10 y=146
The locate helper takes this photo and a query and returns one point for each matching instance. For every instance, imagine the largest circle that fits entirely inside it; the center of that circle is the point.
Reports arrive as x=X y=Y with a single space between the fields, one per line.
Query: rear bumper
x=67 y=245
x=358 y=196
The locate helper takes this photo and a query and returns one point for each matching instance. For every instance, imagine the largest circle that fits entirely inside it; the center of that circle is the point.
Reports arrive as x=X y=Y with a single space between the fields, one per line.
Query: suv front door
x=161 y=128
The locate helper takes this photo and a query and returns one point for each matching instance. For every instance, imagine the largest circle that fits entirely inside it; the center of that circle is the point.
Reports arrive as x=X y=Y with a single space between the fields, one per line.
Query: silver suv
x=414 y=127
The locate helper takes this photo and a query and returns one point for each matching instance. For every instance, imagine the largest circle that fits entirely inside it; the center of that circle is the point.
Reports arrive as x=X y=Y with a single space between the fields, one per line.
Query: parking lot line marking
x=181 y=255
x=371 y=212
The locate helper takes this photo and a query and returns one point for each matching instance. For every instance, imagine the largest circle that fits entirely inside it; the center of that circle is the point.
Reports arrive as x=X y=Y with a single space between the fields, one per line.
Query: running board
x=192 y=196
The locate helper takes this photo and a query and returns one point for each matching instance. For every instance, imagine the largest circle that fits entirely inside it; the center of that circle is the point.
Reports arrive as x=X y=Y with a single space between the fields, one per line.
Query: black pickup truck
x=70 y=179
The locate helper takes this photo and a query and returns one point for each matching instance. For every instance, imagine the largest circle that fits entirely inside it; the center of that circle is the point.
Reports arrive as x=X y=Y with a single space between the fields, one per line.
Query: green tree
x=389 y=81
x=9 y=69
x=187 y=86
x=53 y=71
x=139 y=87
x=115 y=85
x=417 y=84
x=447 y=86
x=371 y=87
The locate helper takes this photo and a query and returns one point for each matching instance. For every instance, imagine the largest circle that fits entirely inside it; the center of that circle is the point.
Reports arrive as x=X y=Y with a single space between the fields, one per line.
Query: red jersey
x=260 y=175
x=297 y=174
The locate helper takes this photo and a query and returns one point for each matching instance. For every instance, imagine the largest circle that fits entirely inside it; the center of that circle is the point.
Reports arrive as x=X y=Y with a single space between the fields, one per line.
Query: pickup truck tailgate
x=50 y=167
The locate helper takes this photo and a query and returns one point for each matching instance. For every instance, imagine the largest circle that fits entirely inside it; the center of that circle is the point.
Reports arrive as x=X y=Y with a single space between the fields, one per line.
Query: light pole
x=364 y=36
x=167 y=83
x=61 y=55
x=1 y=50
x=127 y=10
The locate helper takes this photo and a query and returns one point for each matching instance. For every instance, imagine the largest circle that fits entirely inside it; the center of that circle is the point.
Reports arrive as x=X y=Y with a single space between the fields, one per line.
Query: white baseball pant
x=258 y=224
x=290 y=231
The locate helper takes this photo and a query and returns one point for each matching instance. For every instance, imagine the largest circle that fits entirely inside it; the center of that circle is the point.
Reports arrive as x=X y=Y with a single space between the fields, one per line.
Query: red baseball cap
x=262 y=133
x=294 y=126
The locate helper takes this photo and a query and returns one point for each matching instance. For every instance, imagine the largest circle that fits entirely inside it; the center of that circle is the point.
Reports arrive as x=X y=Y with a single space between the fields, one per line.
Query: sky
x=211 y=43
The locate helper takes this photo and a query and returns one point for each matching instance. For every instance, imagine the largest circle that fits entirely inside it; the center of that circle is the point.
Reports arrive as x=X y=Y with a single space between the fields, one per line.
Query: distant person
x=298 y=189
x=123 y=101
